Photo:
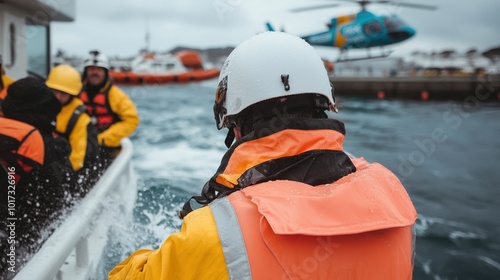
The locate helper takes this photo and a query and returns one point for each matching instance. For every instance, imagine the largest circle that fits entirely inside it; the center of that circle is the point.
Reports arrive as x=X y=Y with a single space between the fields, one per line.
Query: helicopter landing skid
x=382 y=55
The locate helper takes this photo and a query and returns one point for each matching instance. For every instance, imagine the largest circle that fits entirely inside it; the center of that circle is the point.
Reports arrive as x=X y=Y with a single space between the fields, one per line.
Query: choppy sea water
x=446 y=154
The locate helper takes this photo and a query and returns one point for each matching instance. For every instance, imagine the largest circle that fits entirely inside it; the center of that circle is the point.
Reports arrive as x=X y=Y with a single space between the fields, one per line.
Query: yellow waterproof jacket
x=6 y=82
x=357 y=227
x=77 y=137
x=193 y=253
x=118 y=109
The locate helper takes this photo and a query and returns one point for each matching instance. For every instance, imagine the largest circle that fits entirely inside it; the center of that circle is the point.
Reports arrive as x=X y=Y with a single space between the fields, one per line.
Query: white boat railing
x=74 y=250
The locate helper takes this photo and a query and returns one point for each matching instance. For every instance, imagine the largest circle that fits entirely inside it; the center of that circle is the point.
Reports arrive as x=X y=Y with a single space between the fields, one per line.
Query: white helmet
x=267 y=66
x=95 y=58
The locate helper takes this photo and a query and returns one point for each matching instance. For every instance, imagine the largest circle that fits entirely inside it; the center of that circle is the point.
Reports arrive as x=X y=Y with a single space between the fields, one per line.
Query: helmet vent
x=284 y=80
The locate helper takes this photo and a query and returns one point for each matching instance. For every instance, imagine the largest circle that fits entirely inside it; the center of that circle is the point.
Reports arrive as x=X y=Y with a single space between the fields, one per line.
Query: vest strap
x=72 y=121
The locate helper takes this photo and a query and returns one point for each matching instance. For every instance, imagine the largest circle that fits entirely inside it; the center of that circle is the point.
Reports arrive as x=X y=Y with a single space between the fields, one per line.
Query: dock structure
x=484 y=88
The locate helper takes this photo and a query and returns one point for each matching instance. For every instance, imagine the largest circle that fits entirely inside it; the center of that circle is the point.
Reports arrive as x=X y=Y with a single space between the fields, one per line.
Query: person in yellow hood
x=113 y=113
x=74 y=124
x=286 y=201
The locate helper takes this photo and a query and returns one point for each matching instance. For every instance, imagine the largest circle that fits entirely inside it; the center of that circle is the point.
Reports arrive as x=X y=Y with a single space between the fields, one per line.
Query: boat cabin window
x=38 y=48
x=170 y=66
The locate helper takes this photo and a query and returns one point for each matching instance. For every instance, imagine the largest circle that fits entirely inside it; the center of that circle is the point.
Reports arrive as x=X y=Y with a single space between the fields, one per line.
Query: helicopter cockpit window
x=372 y=28
x=392 y=23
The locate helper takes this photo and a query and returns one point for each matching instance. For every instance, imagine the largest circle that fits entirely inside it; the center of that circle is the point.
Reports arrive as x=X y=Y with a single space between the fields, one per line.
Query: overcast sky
x=118 y=27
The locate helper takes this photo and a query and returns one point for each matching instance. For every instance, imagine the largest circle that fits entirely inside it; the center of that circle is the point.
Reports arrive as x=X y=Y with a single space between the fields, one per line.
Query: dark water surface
x=447 y=154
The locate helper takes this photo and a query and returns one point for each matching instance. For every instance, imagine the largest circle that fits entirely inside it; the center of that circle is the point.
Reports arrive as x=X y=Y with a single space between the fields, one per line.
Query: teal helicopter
x=362 y=30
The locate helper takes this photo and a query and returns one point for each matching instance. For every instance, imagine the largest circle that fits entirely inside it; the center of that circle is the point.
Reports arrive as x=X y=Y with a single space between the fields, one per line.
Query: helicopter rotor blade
x=414 y=5
x=364 y=3
x=394 y=2
x=316 y=7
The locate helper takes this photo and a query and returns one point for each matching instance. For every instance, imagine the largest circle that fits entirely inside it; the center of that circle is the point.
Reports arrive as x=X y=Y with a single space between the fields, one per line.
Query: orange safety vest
x=21 y=148
x=99 y=108
x=359 y=227
x=307 y=211
x=3 y=94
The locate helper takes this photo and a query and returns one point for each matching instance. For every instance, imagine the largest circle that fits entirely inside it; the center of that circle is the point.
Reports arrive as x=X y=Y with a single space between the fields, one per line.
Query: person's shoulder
x=115 y=88
x=77 y=108
x=77 y=101
x=201 y=215
x=362 y=164
x=200 y=220
x=359 y=162
x=115 y=92
x=199 y=227
x=7 y=81
x=73 y=104
x=22 y=132
x=8 y=124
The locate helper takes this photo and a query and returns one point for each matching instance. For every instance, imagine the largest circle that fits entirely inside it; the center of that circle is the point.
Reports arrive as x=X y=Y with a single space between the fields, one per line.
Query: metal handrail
x=72 y=236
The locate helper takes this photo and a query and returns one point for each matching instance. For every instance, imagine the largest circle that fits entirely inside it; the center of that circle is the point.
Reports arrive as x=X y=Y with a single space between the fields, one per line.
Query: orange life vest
x=359 y=227
x=305 y=210
x=21 y=148
x=3 y=94
x=99 y=108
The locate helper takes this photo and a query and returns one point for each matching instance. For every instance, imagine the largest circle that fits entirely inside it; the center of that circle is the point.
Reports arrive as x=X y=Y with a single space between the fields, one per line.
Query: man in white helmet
x=286 y=201
x=112 y=111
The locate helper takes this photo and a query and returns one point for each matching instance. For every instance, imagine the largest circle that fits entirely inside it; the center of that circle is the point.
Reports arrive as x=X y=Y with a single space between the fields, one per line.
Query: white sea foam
x=179 y=161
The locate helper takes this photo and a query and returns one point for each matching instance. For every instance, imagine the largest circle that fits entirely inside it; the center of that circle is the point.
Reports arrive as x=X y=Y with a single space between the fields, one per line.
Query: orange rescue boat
x=149 y=68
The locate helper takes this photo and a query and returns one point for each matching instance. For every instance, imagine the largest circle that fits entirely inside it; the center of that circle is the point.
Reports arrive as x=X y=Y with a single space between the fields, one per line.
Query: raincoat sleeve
x=123 y=106
x=194 y=252
x=78 y=141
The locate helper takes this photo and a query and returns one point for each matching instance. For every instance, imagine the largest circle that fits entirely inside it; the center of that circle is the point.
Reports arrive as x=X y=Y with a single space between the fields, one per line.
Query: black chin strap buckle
x=229 y=137
x=284 y=80
x=208 y=194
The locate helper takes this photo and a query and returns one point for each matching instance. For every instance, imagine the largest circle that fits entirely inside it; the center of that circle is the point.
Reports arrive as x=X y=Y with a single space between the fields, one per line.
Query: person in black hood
x=30 y=101
x=42 y=198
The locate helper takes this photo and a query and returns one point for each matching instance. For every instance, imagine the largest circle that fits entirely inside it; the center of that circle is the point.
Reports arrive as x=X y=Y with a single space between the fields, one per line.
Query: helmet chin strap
x=229 y=137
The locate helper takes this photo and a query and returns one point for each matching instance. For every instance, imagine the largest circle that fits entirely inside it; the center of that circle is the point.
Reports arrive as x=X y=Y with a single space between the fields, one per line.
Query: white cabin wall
x=65 y=9
x=8 y=16
x=17 y=12
x=46 y=10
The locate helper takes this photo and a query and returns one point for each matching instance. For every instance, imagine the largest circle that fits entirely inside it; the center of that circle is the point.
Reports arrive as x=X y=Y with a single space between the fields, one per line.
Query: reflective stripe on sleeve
x=231 y=238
